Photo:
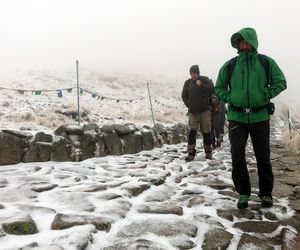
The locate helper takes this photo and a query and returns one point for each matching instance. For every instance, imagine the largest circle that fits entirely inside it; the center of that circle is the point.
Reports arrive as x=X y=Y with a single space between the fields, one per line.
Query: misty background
x=148 y=37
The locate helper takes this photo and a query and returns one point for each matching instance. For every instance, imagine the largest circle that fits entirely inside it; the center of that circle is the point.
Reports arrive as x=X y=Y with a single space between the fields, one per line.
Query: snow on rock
x=137 y=202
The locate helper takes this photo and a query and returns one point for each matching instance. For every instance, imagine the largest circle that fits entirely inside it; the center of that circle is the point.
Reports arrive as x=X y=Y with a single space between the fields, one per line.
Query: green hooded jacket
x=249 y=87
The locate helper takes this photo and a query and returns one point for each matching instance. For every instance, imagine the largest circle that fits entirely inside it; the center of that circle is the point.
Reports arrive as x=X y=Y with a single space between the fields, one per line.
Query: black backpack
x=265 y=63
x=263 y=60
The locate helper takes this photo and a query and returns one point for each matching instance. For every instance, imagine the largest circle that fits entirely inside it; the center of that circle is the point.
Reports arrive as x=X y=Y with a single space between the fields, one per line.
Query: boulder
x=283 y=190
x=217 y=184
x=63 y=221
x=113 y=145
x=290 y=239
x=195 y=201
x=38 y=152
x=107 y=129
x=163 y=194
x=20 y=226
x=94 y=188
x=109 y=196
x=295 y=204
x=239 y=213
x=132 y=143
x=163 y=132
x=159 y=227
x=19 y=134
x=87 y=144
x=160 y=208
x=155 y=180
x=148 y=140
x=191 y=192
x=122 y=129
x=42 y=187
x=175 y=136
x=160 y=129
x=269 y=215
x=257 y=226
x=77 y=238
x=91 y=127
x=69 y=129
x=11 y=148
x=182 y=242
x=229 y=193
x=135 y=244
x=137 y=190
x=251 y=242
x=217 y=238
x=62 y=150
x=182 y=128
x=100 y=145
x=42 y=137
x=158 y=139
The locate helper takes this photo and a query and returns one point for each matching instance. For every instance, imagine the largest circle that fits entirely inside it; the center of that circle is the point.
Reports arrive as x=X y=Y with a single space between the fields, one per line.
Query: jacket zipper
x=247 y=56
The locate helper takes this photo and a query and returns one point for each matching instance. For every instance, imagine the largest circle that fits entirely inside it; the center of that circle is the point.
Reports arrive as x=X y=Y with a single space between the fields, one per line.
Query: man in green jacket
x=247 y=83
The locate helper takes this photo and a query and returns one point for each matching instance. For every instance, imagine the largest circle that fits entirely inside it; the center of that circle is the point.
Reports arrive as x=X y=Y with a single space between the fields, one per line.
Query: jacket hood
x=249 y=34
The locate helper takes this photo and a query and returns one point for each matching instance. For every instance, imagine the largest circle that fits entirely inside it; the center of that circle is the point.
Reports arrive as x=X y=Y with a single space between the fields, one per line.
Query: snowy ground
x=151 y=199
x=39 y=112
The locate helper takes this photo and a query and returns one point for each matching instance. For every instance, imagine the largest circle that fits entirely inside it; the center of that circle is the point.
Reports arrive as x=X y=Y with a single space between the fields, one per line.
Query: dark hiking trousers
x=260 y=136
x=222 y=120
x=216 y=127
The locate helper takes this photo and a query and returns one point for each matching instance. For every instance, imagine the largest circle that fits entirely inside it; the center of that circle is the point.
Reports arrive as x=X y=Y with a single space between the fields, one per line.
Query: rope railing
x=94 y=94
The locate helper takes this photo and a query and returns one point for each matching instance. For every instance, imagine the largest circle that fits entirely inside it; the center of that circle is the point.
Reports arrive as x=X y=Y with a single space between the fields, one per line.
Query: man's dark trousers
x=260 y=136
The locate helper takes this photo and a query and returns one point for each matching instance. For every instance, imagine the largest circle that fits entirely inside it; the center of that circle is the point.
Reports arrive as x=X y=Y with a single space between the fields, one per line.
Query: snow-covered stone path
x=151 y=200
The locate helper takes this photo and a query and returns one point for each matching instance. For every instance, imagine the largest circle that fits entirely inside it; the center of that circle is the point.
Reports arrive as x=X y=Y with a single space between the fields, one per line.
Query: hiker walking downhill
x=196 y=95
x=248 y=82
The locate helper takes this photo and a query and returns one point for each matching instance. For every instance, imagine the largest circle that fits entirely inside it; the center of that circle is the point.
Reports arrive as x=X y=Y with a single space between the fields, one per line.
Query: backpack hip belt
x=247 y=110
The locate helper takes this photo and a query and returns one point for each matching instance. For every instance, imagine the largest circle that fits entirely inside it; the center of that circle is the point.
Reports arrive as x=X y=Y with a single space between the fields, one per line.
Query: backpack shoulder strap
x=230 y=68
x=265 y=63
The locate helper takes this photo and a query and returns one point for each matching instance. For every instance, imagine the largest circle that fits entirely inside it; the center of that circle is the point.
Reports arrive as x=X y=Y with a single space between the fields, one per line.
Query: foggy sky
x=161 y=37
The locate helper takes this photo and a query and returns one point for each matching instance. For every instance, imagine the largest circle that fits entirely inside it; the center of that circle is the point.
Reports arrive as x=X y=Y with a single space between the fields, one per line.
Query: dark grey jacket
x=197 y=99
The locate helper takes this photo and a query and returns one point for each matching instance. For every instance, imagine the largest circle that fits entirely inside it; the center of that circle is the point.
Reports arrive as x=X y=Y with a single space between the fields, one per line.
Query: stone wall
x=76 y=143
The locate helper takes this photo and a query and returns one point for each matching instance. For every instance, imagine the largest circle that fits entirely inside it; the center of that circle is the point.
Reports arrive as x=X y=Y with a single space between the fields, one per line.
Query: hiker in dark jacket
x=247 y=83
x=196 y=95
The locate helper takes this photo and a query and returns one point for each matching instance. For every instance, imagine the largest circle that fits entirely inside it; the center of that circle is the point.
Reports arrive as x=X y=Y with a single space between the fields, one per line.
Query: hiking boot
x=208 y=156
x=266 y=201
x=218 y=143
x=208 y=152
x=191 y=156
x=243 y=201
x=221 y=138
